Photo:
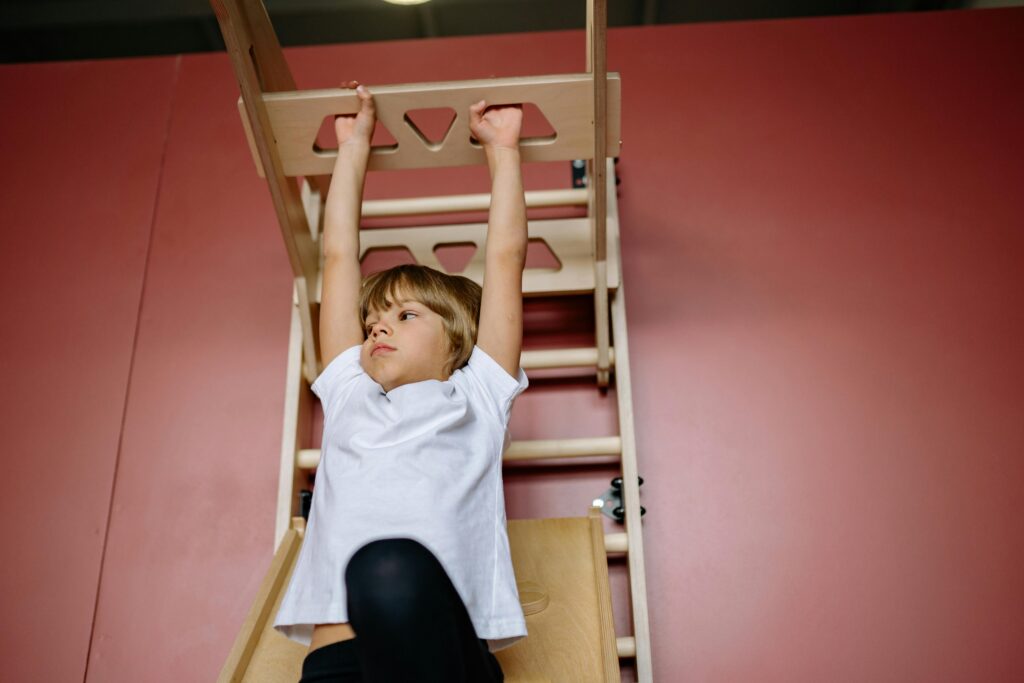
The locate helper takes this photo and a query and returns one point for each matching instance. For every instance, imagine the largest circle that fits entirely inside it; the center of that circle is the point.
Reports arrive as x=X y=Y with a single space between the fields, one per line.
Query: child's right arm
x=339 y=301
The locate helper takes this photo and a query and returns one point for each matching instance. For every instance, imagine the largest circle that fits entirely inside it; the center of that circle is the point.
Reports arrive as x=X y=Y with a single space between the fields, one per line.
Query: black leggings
x=411 y=624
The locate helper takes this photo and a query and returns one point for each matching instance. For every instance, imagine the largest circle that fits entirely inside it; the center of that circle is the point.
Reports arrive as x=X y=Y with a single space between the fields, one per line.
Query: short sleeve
x=337 y=378
x=496 y=387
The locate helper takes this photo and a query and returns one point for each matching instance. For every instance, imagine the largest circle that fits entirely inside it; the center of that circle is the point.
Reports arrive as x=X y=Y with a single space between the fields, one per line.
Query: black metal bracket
x=611 y=501
x=579 y=173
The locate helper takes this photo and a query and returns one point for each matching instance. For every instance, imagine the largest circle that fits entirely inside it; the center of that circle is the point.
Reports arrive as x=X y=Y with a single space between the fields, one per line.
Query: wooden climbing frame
x=282 y=125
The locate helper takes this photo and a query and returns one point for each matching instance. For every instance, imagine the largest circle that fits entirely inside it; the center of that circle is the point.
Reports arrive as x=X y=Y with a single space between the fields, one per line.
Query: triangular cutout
x=539 y=255
x=431 y=126
x=327 y=141
x=535 y=125
x=382 y=258
x=456 y=256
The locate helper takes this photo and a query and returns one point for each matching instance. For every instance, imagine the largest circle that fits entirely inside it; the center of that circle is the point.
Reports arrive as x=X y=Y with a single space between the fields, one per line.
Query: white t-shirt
x=422 y=461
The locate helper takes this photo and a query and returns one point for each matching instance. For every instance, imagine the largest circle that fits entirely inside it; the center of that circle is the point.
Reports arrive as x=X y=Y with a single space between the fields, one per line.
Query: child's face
x=405 y=343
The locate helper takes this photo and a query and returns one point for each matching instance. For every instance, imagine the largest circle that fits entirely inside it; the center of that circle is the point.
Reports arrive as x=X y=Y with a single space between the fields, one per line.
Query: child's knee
x=394 y=562
x=393 y=583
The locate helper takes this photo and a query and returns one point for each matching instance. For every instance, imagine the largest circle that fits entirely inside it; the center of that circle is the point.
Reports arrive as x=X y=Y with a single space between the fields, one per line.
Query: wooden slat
x=568 y=239
x=566 y=101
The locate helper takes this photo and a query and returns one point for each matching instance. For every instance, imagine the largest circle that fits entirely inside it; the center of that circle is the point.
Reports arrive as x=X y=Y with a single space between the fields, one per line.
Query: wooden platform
x=562 y=577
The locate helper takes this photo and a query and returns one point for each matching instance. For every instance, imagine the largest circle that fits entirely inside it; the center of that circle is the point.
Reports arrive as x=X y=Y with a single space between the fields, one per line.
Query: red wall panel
x=81 y=145
x=193 y=521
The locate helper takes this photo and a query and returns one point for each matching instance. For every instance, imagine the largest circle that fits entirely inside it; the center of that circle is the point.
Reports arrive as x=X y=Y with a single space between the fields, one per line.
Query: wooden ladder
x=281 y=124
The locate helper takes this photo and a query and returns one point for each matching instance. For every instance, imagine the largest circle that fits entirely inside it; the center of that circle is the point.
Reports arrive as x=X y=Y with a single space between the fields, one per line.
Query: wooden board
x=562 y=575
x=569 y=240
x=565 y=100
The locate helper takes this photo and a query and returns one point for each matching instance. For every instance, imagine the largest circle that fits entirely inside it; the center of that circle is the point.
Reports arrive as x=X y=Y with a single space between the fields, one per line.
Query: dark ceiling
x=40 y=30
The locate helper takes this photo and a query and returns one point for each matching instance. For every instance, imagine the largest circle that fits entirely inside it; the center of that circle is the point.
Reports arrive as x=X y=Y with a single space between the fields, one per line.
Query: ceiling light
x=406 y=2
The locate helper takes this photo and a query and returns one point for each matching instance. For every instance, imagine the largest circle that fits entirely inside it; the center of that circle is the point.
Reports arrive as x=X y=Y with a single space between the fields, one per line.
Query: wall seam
x=131 y=362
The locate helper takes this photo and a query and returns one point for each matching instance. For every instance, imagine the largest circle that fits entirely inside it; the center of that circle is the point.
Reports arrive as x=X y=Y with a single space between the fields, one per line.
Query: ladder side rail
x=271 y=67
x=630 y=472
x=249 y=37
x=298 y=415
x=597 y=67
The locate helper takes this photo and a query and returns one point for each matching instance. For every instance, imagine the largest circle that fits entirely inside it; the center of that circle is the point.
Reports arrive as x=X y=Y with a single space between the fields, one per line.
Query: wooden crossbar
x=544 y=449
x=539 y=449
x=567 y=238
x=564 y=100
x=417 y=206
x=542 y=359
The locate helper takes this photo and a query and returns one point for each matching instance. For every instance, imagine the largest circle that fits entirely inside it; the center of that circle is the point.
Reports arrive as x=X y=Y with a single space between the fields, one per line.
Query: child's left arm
x=500 y=332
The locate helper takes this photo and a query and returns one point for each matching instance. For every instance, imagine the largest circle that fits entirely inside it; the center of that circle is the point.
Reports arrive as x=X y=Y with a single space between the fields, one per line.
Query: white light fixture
x=406 y=2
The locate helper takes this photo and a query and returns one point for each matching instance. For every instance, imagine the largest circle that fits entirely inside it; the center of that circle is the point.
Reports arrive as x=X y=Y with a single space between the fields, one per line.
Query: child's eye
x=405 y=313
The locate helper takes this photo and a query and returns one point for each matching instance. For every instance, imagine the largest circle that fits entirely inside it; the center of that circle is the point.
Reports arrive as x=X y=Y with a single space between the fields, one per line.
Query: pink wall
x=822 y=232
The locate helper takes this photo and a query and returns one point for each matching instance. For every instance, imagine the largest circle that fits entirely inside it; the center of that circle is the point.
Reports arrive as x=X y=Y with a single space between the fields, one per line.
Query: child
x=405 y=573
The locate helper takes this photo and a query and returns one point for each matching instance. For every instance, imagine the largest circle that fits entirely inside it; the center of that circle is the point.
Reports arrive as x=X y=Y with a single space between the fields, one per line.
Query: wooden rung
x=626 y=646
x=542 y=359
x=616 y=543
x=309 y=458
x=563 y=448
x=569 y=240
x=565 y=100
x=414 y=206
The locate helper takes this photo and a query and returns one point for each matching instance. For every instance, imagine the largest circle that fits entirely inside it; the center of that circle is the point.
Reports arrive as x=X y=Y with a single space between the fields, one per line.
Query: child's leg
x=410 y=623
x=334 y=663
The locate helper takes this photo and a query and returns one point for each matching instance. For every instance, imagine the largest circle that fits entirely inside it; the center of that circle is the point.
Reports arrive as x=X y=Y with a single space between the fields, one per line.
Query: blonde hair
x=453 y=297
